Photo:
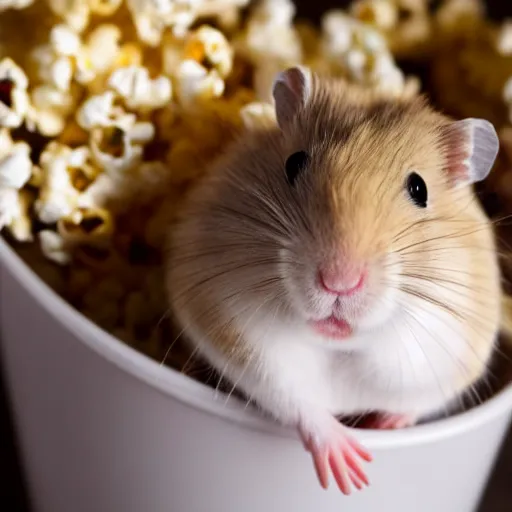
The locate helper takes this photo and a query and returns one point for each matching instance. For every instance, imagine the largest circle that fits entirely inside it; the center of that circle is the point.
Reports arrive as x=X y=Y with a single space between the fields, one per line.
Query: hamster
x=339 y=263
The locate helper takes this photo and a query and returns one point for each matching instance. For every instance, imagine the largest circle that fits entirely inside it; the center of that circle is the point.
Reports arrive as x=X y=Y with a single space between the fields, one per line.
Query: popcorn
x=15 y=172
x=138 y=90
x=54 y=247
x=64 y=41
x=14 y=4
x=195 y=83
x=97 y=111
x=198 y=65
x=20 y=227
x=459 y=17
x=270 y=34
x=98 y=54
x=15 y=166
x=62 y=184
x=382 y=14
x=152 y=17
x=9 y=206
x=503 y=39
x=14 y=101
x=54 y=60
x=359 y=53
x=210 y=48
x=93 y=226
x=258 y=115
x=129 y=54
x=405 y=23
x=104 y=7
x=75 y=13
x=121 y=191
x=117 y=148
x=50 y=110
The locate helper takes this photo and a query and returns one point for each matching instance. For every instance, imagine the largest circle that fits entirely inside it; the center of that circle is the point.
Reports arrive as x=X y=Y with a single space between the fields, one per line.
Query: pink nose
x=342 y=282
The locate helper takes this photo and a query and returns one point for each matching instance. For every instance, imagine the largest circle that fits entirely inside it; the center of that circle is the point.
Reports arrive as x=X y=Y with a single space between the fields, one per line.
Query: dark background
x=498 y=497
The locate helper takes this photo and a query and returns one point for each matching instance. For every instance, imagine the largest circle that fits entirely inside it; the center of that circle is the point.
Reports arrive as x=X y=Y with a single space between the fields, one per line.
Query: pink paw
x=390 y=421
x=332 y=447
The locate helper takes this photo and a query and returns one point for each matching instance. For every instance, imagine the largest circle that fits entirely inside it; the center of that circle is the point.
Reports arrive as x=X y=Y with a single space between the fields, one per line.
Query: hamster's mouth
x=332 y=327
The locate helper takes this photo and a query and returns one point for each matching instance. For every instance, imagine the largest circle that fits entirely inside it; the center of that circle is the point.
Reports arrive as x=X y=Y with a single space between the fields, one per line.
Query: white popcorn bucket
x=103 y=428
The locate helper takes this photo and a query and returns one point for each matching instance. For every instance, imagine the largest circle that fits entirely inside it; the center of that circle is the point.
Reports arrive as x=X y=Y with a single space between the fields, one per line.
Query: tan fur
x=363 y=147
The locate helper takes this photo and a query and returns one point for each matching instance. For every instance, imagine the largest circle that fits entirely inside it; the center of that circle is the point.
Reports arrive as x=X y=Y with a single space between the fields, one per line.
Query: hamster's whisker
x=445 y=248
x=166 y=314
x=468 y=315
x=462 y=367
x=441 y=237
x=427 y=298
x=189 y=361
x=406 y=265
x=253 y=354
x=499 y=220
x=427 y=359
x=443 y=282
x=278 y=224
x=221 y=376
x=405 y=305
x=230 y=270
x=173 y=343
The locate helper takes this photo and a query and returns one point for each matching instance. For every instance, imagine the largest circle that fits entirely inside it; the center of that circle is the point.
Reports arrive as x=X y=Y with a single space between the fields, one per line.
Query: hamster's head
x=354 y=209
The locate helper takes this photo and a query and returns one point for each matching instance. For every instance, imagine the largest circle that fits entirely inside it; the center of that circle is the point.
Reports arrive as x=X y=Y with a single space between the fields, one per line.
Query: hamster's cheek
x=300 y=282
x=382 y=297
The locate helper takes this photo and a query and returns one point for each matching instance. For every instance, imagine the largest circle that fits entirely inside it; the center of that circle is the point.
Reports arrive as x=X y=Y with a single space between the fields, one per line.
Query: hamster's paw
x=384 y=421
x=332 y=446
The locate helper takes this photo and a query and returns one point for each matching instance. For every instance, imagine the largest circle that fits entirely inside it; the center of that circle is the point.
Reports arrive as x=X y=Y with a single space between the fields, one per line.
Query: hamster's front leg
x=289 y=382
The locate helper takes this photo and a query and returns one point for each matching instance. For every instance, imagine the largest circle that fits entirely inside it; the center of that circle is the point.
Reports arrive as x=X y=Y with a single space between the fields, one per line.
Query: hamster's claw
x=339 y=452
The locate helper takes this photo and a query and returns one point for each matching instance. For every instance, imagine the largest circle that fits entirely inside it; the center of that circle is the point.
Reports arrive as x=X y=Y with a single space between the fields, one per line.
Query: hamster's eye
x=295 y=164
x=417 y=189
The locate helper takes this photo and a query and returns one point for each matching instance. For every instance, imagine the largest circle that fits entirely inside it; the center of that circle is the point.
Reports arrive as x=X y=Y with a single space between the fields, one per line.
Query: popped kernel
x=270 y=33
x=211 y=49
x=74 y=12
x=406 y=24
x=121 y=191
x=459 y=17
x=195 y=83
x=104 y=7
x=64 y=41
x=54 y=247
x=98 y=54
x=20 y=227
x=258 y=115
x=14 y=4
x=503 y=39
x=14 y=102
x=359 y=53
x=138 y=90
x=50 y=109
x=383 y=14
x=15 y=166
x=118 y=147
x=58 y=196
x=9 y=206
x=56 y=70
x=151 y=18
x=92 y=226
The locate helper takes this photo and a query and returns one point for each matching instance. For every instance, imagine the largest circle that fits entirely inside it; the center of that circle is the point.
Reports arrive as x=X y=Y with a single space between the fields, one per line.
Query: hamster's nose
x=342 y=280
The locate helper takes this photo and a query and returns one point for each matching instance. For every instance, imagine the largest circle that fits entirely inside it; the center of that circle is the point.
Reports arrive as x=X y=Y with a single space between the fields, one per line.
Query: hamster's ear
x=472 y=146
x=291 y=91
